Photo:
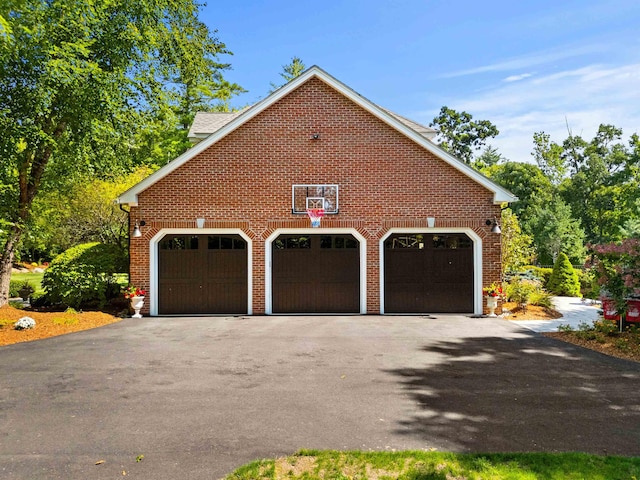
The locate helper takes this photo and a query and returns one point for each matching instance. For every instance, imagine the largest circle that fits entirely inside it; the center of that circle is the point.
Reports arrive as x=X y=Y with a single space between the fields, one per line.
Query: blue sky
x=525 y=66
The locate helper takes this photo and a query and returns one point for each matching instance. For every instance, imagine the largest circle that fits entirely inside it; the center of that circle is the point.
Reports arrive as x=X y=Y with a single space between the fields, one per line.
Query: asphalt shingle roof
x=205 y=123
x=421 y=129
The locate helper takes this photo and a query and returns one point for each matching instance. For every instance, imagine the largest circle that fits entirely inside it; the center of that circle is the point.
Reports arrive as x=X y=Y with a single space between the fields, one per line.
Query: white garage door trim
x=477 y=260
x=268 y=253
x=152 y=295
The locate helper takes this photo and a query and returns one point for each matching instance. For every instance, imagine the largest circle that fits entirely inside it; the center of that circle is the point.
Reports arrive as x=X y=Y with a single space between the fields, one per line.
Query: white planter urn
x=137 y=303
x=492 y=304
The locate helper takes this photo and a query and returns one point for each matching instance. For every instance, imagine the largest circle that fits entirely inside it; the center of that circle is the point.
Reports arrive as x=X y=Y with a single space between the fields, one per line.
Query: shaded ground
x=48 y=324
x=506 y=394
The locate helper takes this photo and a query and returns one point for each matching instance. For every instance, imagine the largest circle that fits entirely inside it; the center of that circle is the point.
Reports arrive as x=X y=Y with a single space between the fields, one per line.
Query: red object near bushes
x=609 y=309
x=633 y=310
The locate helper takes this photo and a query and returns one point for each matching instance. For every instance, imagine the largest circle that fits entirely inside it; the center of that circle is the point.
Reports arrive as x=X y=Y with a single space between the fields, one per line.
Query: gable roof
x=230 y=122
x=423 y=130
x=206 y=123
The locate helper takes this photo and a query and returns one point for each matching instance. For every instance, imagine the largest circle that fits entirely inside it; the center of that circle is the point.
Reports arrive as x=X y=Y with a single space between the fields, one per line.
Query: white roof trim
x=130 y=197
x=198 y=137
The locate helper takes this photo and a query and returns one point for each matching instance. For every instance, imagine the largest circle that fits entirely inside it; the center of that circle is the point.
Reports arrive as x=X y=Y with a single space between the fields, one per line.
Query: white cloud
x=517 y=78
x=584 y=98
x=533 y=59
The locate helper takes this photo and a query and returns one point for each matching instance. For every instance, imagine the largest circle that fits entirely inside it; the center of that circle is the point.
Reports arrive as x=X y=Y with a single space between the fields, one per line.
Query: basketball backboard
x=304 y=197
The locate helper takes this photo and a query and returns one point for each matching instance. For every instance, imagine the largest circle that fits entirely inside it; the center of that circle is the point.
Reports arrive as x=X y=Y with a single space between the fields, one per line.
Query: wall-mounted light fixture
x=496 y=227
x=315 y=136
x=136 y=229
x=431 y=222
x=200 y=222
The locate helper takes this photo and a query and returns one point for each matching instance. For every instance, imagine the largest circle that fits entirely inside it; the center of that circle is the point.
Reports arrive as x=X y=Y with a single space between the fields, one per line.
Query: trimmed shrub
x=543 y=274
x=564 y=280
x=84 y=275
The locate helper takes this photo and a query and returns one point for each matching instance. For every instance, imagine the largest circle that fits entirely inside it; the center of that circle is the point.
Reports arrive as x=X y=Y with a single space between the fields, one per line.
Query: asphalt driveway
x=200 y=396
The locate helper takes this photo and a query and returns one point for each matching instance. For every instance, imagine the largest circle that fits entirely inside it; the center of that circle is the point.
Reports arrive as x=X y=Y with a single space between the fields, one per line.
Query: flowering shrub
x=132 y=291
x=494 y=290
x=617 y=267
x=24 y=323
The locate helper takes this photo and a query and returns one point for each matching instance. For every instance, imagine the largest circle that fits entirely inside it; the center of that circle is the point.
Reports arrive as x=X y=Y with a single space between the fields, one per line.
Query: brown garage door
x=202 y=274
x=426 y=273
x=316 y=274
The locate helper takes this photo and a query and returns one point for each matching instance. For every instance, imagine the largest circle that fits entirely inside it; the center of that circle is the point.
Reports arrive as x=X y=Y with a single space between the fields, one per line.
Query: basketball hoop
x=315 y=214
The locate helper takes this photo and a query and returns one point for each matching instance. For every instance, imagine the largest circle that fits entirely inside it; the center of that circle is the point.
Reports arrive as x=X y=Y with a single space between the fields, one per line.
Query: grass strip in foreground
x=418 y=465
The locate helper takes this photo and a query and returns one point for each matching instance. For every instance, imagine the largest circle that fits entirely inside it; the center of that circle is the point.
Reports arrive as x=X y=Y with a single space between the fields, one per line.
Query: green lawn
x=35 y=279
x=312 y=465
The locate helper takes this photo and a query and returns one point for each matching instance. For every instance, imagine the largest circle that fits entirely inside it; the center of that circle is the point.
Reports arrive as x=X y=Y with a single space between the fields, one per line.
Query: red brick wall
x=385 y=180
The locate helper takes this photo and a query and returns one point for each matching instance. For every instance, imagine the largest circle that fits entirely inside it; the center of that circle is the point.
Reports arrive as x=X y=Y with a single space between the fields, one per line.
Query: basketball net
x=315 y=214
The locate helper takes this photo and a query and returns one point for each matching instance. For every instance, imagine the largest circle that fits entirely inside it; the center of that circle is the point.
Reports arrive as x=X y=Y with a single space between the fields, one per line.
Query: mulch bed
x=607 y=345
x=532 y=312
x=48 y=324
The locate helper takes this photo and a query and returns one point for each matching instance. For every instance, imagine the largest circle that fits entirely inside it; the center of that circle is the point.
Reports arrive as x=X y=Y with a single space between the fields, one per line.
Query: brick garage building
x=224 y=227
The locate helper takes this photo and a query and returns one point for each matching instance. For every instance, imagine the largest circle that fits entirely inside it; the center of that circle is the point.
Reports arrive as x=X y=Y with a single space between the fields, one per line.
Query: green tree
x=529 y=184
x=548 y=156
x=564 y=280
x=460 y=135
x=631 y=228
x=223 y=94
x=81 y=79
x=82 y=212
x=487 y=159
x=5 y=29
x=517 y=249
x=603 y=188
x=555 y=230
x=574 y=152
x=289 y=72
